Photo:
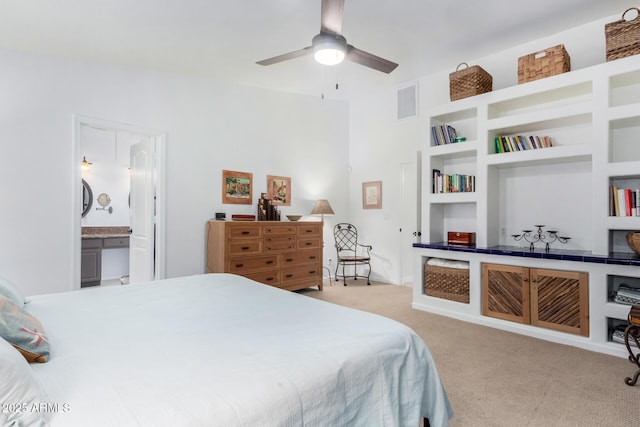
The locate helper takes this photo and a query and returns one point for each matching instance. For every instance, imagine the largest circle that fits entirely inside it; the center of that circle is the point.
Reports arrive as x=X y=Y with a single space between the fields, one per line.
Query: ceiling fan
x=330 y=47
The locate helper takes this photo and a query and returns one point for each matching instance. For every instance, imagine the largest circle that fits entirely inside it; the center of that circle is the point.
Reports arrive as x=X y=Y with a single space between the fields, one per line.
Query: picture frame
x=237 y=187
x=372 y=195
x=279 y=190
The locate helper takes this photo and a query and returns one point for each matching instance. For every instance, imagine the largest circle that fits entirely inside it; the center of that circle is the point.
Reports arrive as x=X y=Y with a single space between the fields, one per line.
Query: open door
x=142 y=212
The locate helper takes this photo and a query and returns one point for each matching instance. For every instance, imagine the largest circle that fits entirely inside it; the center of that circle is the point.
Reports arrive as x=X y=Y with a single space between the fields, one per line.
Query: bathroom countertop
x=104 y=232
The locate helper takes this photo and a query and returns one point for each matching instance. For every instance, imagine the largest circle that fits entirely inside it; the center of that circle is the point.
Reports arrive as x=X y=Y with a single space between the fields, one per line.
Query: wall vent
x=408 y=101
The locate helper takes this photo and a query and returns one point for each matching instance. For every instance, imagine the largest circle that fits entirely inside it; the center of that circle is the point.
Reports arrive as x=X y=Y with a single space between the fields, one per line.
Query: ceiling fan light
x=328 y=50
x=329 y=56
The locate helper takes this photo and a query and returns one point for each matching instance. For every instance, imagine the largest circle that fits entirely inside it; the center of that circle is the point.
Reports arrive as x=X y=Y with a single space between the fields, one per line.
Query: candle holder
x=547 y=237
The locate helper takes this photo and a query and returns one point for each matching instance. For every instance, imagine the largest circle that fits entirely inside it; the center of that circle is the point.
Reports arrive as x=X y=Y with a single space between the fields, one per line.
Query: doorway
x=116 y=139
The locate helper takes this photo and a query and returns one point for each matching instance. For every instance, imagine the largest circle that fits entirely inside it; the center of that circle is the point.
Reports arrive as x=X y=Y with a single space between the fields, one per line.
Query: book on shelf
x=443 y=134
x=624 y=201
x=454 y=183
x=513 y=143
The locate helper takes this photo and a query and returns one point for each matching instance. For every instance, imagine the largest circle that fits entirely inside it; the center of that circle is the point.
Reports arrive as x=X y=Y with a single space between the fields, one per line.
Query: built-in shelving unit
x=593 y=119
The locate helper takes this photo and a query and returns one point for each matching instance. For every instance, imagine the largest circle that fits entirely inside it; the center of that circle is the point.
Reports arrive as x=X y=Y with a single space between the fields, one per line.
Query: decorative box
x=469 y=81
x=545 y=63
x=445 y=282
x=461 y=238
x=623 y=37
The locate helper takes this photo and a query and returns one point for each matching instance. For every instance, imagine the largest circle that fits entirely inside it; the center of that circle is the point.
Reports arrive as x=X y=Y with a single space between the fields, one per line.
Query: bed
x=222 y=350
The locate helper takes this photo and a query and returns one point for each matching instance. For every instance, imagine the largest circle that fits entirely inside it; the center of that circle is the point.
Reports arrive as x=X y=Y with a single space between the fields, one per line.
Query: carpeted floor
x=497 y=378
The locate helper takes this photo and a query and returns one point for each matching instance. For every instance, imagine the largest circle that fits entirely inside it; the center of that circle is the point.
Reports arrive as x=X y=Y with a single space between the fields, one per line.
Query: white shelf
x=453 y=198
x=453 y=151
x=551 y=155
x=616 y=311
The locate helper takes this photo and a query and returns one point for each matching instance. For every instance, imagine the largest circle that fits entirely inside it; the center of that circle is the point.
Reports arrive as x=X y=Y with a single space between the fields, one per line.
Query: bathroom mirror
x=87 y=198
x=104 y=199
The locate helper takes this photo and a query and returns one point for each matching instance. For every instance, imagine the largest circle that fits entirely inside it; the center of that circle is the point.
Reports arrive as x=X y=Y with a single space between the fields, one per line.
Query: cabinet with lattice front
x=553 y=299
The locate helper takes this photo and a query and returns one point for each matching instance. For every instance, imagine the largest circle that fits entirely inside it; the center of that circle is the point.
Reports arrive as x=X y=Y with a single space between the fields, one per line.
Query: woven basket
x=633 y=239
x=469 y=81
x=545 y=63
x=447 y=283
x=623 y=37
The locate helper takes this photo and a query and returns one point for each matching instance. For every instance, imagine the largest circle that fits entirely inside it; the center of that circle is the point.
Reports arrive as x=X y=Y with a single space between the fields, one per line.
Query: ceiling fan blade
x=286 y=56
x=369 y=60
x=331 y=16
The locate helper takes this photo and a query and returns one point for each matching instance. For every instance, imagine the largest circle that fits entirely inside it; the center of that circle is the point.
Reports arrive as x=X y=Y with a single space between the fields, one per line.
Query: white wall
x=210 y=126
x=379 y=143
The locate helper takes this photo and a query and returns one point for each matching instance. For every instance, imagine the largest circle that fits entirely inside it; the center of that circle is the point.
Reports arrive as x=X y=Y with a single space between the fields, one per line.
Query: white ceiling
x=223 y=39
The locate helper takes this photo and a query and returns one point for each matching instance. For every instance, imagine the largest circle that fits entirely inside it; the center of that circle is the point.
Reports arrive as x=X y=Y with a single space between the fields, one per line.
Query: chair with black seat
x=350 y=253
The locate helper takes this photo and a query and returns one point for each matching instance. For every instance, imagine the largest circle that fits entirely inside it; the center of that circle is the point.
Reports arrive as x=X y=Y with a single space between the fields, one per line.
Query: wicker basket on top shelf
x=545 y=63
x=469 y=81
x=623 y=37
x=633 y=239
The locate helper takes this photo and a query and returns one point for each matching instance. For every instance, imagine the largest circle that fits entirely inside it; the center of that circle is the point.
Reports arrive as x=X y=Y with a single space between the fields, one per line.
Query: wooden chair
x=350 y=253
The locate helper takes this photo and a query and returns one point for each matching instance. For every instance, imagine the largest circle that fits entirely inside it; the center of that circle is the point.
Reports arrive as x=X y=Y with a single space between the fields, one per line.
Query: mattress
x=222 y=350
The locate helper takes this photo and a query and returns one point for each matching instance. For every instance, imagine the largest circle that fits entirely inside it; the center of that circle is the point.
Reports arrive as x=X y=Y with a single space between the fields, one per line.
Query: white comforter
x=221 y=350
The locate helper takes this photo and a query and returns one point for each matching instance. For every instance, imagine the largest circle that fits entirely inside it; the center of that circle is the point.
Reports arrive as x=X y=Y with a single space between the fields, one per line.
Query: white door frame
x=76 y=202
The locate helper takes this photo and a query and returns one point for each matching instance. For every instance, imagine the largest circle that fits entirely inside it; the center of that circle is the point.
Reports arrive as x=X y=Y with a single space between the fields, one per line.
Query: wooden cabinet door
x=505 y=292
x=560 y=300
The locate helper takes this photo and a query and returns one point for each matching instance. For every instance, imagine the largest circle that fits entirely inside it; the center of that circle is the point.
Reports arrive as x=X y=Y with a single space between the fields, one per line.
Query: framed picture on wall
x=237 y=187
x=372 y=195
x=279 y=190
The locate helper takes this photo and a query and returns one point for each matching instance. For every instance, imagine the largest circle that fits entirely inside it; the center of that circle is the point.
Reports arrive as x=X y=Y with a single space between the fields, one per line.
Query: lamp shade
x=322 y=207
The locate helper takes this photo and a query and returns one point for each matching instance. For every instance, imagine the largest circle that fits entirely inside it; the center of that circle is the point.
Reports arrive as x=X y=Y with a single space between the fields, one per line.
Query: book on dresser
x=286 y=255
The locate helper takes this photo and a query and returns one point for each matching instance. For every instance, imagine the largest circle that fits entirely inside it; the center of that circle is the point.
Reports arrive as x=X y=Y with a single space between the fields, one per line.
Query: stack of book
x=624 y=201
x=456 y=183
x=510 y=144
x=443 y=134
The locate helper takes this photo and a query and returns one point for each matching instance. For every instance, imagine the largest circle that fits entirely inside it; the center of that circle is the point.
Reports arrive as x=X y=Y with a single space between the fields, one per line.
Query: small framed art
x=279 y=190
x=372 y=195
x=237 y=187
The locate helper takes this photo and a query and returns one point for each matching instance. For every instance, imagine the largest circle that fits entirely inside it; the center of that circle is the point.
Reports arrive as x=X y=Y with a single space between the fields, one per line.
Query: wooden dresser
x=287 y=255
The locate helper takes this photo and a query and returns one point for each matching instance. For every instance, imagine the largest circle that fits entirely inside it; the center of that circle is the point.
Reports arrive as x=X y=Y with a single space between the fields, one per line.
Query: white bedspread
x=221 y=350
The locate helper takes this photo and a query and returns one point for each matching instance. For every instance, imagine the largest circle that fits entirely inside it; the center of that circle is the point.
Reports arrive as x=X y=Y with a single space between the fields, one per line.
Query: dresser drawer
x=279 y=229
x=244 y=231
x=244 y=247
x=309 y=243
x=267 y=277
x=243 y=265
x=300 y=273
x=279 y=243
x=300 y=257
x=314 y=230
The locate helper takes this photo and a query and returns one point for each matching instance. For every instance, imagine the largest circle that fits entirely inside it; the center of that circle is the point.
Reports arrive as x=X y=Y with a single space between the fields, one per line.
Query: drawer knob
x=239 y=265
x=289 y=275
x=312 y=272
x=269 y=279
x=312 y=257
x=245 y=248
x=308 y=243
x=270 y=261
x=245 y=232
x=289 y=259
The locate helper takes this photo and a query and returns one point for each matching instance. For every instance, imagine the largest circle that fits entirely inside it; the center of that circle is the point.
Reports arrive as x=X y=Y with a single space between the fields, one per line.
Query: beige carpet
x=496 y=378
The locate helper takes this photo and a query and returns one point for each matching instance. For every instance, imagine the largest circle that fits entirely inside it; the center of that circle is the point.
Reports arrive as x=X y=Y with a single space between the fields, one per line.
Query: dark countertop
x=104 y=232
x=618 y=258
